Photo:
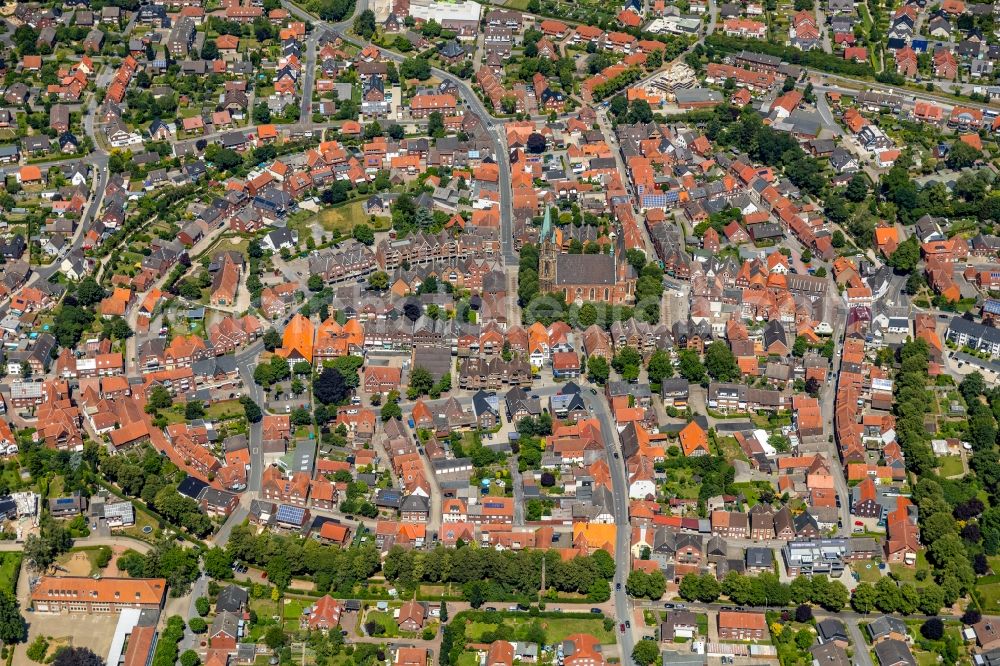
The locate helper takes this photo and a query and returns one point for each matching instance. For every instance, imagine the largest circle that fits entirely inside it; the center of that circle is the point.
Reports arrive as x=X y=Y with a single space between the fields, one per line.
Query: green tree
x=36 y=651
x=421 y=382
x=251 y=410
x=13 y=628
x=194 y=409
x=645 y=652
x=364 y=24
x=363 y=234
x=660 y=366
x=962 y=156
x=391 y=410
x=218 y=563
x=272 y=340
x=159 y=398
x=190 y=658
x=202 y=605
x=690 y=366
x=863 y=598
x=931 y=599
x=857 y=188
x=636 y=584
x=598 y=370
x=720 y=362
x=627 y=363
x=906 y=256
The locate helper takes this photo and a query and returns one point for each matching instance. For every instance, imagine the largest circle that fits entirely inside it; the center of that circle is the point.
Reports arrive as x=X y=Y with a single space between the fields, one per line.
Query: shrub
x=932 y=629
x=37 y=649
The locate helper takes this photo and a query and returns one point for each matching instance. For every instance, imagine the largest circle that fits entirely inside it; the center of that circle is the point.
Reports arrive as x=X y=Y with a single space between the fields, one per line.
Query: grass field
x=909 y=574
x=468 y=659
x=343 y=218
x=681 y=484
x=293 y=609
x=951 y=466
x=227 y=409
x=730 y=449
x=556 y=629
x=385 y=619
x=988 y=588
x=10 y=568
x=142 y=520
x=867 y=575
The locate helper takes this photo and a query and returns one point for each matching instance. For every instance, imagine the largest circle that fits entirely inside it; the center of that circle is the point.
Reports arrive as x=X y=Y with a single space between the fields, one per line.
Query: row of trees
x=765 y=590
x=889 y=597
x=167 y=559
x=330 y=568
x=490 y=574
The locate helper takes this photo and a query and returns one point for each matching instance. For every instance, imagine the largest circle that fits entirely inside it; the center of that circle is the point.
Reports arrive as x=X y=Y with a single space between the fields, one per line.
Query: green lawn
x=10 y=568
x=227 y=409
x=989 y=594
x=142 y=519
x=867 y=575
x=681 y=484
x=293 y=609
x=343 y=218
x=556 y=629
x=468 y=659
x=909 y=574
x=752 y=489
x=474 y=630
x=385 y=619
x=951 y=466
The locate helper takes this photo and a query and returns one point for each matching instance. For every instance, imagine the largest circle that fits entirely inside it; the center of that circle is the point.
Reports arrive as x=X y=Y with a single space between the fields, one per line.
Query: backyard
x=10 y=567
x=340 y=218
x=950 y=466
x=868 y=572
x=681 y=484
x=556 y=629
x=988 y=591
x=907 y=574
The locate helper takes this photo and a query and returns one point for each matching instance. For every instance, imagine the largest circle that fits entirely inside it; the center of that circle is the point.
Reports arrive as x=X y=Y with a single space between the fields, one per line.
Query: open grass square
x=868 y=571
x=951 y=466
x=907 y=574
x=10 y=568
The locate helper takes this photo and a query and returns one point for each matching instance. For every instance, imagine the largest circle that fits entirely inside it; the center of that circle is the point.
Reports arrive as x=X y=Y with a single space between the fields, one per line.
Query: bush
x=103 y=558
x=972 y=616
x=37 y=649
x=197 y=625
x=428 y=634
x=932 y=629
x=803 y=613
x=202 y=605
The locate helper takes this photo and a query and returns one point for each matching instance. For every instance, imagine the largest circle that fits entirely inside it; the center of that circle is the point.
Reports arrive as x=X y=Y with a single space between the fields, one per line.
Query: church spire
x=547 y=224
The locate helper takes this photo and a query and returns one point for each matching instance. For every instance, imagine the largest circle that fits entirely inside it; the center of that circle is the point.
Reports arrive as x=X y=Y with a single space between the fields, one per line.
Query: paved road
x=198 y=589
x=623 y=536
x=246 y=361
x=113 y=541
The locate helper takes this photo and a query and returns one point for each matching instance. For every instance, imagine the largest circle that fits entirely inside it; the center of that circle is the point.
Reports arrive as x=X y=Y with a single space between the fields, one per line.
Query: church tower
x=547 y=252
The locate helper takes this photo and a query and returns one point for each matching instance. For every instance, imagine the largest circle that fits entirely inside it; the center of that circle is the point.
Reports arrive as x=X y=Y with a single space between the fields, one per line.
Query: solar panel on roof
x=290 y=514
